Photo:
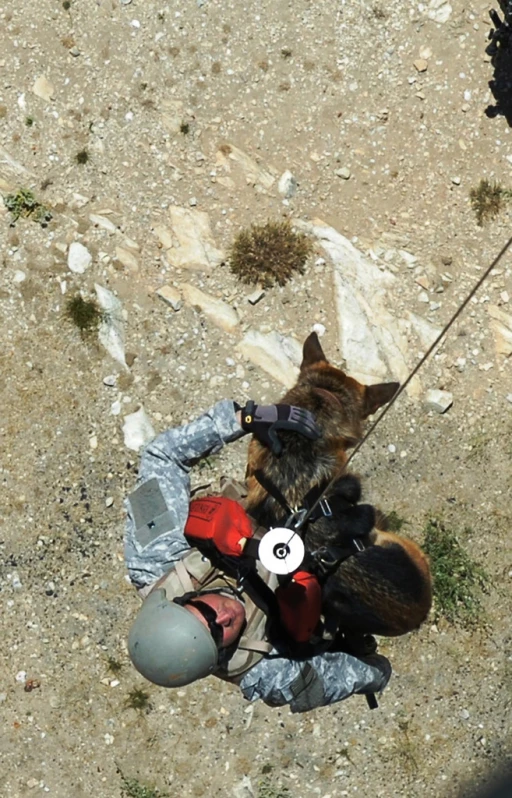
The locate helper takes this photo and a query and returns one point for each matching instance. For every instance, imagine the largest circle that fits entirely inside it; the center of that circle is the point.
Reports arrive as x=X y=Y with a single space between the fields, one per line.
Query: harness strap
x=273 y=490
x=183 y=576
x=255 y=645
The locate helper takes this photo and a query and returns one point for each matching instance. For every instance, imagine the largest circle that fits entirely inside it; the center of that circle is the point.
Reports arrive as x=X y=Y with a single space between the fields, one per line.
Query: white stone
x=373 y=342
x=319 y=329
x=43 y=88
x=287 y=185
x=344 y=173
x=137 y=430
x=275 y=354
x=171 y=296
x=128 y=259
x=79 y=258
x=501 y=325
x=219 y=312
x=439 y=10
x=255 y=174
x=194 y=245
x=102 y=221
x=111 y=331
x=255 y=297
x=437 y=400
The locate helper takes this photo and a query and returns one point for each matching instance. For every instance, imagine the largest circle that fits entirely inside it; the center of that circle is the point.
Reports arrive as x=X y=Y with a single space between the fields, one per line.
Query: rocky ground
x=188 y=114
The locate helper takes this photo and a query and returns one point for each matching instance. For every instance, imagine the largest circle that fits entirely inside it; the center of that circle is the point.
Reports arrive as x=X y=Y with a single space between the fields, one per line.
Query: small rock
x=421 y=65
x=192 y=201
x=287 y=185
x=437 y=400
x=344 y=173
x=79 y=258
x=255 y=297
x=102 y=221
x=460 y=363
x=509 y=398
x=44 y=89
x=423 y=297
x=423 y=281
x=127 y=258
x=319 y=329
x=219 y=312
x=93 y=442
x=439 y=10
x=110 y=380
x=501 y=325
x=111 y=331
x=109 y=501
x=171 y=296
x=456 y=181
x=408 y=257
x=137 y=430
x=75 y=52
x=21 y=677
x=464 y=714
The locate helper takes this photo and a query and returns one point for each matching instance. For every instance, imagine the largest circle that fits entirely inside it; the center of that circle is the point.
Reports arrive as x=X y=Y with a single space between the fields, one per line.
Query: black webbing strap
x=273 y=490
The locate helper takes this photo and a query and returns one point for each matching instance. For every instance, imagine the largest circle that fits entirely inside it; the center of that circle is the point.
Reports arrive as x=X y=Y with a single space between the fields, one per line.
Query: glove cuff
x=248 y=415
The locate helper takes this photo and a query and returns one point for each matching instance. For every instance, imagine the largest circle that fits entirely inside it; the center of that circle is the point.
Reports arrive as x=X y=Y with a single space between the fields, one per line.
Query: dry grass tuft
x=269 y=253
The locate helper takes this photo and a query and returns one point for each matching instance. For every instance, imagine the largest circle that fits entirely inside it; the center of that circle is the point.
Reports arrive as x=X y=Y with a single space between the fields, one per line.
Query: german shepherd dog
x=384 y=586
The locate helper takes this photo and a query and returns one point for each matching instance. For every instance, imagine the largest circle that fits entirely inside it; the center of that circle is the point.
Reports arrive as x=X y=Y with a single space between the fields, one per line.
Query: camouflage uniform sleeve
x=157 y=509
x=307 y=684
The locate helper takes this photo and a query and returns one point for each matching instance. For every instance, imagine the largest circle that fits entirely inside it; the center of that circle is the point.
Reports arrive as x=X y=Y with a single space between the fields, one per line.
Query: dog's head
x=336 y=399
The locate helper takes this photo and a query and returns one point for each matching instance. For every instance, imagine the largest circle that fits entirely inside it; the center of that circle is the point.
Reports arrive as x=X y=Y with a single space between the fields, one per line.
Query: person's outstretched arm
x=157 y=509
x=316 y=682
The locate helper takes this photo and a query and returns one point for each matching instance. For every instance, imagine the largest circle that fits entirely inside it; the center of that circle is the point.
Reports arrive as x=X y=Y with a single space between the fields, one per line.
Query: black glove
x=265 y=420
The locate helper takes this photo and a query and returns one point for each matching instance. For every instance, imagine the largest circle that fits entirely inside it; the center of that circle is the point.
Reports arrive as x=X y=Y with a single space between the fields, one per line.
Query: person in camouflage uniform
x=199 y=616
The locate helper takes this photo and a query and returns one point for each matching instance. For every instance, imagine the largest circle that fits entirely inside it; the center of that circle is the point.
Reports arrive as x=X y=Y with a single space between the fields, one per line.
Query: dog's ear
x=377 y=395
x=312 y=352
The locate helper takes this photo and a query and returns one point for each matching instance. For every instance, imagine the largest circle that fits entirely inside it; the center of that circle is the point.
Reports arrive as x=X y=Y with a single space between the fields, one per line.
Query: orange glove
x=300 y=604
x=221 y=520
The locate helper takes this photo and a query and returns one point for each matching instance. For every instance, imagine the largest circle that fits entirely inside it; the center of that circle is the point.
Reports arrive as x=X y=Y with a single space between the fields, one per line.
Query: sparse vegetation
x=133 y=788
x=487 y=200
x=378 y=12
x=24 y=204
x=266 y=789
x=138 y=699
x=85 y=314
x=66 y=5
x=114 y=665
x=394 y=522
x=82 y=157
x=185 y=128
x=269 y=253
x=458 y=581
x=29 y=121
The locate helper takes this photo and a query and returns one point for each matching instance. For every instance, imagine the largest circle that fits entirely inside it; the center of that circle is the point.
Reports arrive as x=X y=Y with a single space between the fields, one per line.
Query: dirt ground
x=156 y=95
